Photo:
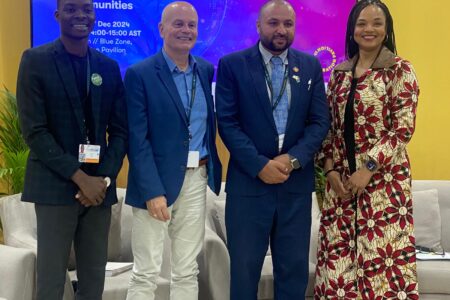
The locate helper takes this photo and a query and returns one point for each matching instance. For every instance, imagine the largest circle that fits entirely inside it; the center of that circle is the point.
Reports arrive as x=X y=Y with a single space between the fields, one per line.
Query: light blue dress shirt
x=199 y=114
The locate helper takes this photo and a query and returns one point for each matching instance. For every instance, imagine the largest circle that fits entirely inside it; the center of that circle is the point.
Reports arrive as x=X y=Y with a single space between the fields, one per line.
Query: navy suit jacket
x=159 y=135
x=51 y=119
x=247 y=126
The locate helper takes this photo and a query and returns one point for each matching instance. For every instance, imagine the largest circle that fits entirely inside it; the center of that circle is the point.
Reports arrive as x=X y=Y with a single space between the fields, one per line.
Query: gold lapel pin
x=295 y=69
x=96 y=79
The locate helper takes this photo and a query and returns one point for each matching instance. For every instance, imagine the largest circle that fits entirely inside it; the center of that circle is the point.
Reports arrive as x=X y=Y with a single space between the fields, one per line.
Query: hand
x=85 y=201
x=157 y=208
x=274 y=172
x=358 y=181
x=92 y=187
x=286 y=161
x=334 y=178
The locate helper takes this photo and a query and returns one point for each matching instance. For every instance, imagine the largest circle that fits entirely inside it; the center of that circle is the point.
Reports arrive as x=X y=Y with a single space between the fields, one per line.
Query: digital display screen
x=127 y=30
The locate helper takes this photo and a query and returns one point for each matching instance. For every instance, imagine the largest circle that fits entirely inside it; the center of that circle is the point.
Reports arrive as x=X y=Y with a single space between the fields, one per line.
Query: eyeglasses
x=426 y=250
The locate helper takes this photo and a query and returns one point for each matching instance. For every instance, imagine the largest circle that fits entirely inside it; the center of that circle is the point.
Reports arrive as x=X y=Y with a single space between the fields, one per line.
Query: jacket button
x=186 y=143
x=183 y=168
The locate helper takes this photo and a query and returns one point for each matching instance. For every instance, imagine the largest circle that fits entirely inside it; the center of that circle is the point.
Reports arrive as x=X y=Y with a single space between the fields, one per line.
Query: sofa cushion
x=427 y=219
x=434 y=277
x=218 y=214
x=315 y=224
x=19 y=222
x=114 y=237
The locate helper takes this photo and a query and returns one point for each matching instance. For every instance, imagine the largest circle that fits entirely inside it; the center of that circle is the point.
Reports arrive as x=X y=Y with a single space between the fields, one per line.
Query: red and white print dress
x=366 y=244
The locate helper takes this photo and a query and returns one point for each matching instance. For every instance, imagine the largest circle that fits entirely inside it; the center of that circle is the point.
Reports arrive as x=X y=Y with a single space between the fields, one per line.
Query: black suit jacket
x=51 y=117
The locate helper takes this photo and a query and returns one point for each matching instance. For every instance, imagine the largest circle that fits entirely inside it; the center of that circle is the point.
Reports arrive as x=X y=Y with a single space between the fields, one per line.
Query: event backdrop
x=127 y=30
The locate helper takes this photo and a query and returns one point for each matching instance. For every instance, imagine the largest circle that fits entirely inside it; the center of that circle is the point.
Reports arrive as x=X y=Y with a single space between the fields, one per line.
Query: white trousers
x=186 y=229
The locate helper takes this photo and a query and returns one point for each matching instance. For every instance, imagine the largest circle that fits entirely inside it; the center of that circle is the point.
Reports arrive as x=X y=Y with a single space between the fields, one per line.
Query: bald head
x=178 y=28
x=178 y=7
x=276 y=26
x=269 y=5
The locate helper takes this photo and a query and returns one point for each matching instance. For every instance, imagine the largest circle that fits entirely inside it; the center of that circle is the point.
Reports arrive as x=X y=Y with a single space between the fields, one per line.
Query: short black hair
x=351 y=47
x=58 y=2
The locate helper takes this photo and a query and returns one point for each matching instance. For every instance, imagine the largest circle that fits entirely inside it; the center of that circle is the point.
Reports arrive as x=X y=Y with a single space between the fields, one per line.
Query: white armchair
x=19 y=232
x=16 y=273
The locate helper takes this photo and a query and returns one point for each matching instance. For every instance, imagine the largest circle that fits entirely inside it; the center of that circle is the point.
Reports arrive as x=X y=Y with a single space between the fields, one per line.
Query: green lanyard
x=191 y=102
x=88 y=86
x=269 y=83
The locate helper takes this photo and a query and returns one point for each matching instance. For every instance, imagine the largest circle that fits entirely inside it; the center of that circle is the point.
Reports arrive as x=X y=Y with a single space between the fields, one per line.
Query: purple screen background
x=225 y=26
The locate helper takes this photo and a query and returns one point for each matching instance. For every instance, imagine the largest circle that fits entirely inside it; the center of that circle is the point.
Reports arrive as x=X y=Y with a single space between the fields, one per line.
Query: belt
x=201 y=162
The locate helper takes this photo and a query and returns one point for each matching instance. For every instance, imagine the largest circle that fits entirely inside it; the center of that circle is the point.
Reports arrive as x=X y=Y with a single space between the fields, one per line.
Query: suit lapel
x=95 y=91
x=296 y=81
x=257 y=73
x=203 y=74
x=164 y=75
x=67 y=76
x=204 y=80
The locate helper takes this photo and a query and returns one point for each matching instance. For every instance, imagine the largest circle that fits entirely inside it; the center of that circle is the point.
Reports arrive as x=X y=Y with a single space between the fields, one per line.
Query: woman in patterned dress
x=366 y=243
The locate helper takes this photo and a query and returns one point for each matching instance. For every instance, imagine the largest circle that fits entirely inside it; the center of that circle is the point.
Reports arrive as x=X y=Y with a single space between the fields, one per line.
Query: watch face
x=371 y=165
x=295 y=163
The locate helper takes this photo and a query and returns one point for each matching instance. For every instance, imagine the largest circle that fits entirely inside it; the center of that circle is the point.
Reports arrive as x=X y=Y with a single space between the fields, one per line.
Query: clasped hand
x=92 y=189
x=354 y=185
x=358 y=181
x=276 y=170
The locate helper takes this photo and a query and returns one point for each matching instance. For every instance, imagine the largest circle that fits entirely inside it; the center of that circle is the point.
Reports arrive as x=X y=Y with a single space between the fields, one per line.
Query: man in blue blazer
x=71 y=102
x=272 y=117
x=172 y=155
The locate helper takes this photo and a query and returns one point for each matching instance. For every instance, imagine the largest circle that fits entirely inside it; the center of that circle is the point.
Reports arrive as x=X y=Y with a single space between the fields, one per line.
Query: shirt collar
x=173 y=67
x=267 y=55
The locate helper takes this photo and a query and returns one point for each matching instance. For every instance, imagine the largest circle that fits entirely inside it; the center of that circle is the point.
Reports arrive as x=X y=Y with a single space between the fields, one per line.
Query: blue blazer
x=247 y=126
x=159 y=136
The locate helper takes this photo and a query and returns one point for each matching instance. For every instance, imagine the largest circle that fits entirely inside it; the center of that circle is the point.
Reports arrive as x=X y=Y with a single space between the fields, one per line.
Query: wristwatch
x=295 y=164
x=371 y=165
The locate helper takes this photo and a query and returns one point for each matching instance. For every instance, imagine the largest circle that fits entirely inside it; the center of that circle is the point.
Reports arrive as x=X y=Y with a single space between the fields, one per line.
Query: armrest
x=17 y=270
x=214 y=267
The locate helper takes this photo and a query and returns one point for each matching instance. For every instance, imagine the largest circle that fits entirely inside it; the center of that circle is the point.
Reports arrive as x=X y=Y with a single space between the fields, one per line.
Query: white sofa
x=16 y=273
x=18 y=258
x=20 y=232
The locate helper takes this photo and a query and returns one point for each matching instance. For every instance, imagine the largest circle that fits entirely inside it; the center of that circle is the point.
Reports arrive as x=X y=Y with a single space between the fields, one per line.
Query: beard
x=270 y=44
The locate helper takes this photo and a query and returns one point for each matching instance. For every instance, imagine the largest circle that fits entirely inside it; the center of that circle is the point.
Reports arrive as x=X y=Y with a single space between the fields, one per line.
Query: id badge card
x=89 y=154
x=280 y=141
x=193 y=159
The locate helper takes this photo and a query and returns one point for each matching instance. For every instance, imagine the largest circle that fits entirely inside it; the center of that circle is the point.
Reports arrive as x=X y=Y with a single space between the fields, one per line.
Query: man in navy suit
x=71 y=102
x=172 y=155
x=272 y=117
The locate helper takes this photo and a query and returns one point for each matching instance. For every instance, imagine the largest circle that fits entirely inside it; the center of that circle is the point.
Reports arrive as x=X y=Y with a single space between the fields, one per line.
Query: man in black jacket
x=70 y=97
